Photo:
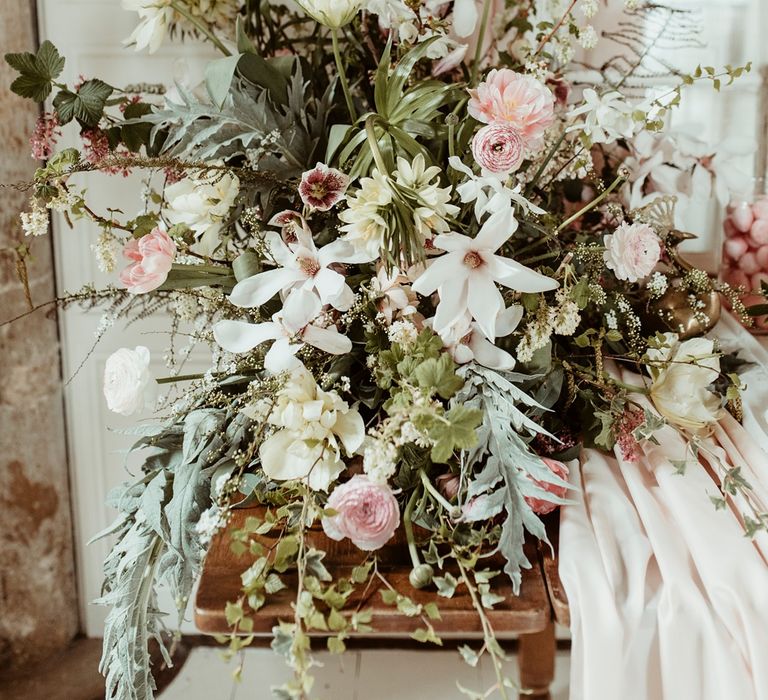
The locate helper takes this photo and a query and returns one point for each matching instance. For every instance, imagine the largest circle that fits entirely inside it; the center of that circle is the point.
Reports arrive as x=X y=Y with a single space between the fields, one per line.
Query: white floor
x=356 y=675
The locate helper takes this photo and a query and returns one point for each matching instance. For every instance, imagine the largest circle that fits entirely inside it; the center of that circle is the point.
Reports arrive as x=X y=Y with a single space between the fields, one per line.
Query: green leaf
x=360 y=573
x=336 y=621
x=469 y=655
x=86 y=105
x=336 y=645
x=438 y=376
x=37 y=71
x=431 y=611
x=260 y=72
x=446 y=585
x=234 y=613
x=246 y=265
x=218 y=78
x=459 y=432
x=388 y=597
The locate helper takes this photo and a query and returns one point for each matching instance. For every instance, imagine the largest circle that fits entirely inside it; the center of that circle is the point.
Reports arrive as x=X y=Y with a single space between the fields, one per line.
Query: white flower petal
x=445 y=269
x=299 y=309
x=484 y=302
x=241 y=336
x=281 y=357
x=512 y=274
x=259 y=289
x=328 y=340
x=488 y=355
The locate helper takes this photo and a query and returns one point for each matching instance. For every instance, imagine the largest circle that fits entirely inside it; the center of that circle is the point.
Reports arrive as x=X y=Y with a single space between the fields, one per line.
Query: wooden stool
x=527 y=615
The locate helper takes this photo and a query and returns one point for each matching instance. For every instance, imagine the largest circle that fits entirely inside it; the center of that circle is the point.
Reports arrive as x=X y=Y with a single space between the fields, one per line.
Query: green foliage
x=38 y=71
x=502 y=468
x=281 y=136
x=86 y=104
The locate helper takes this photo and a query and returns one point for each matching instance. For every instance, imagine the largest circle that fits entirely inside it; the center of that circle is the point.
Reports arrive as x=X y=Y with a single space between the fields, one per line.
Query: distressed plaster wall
x=38 y=608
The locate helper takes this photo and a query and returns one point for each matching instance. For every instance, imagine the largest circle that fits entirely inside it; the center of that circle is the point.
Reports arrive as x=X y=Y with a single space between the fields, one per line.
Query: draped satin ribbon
x=668 y=598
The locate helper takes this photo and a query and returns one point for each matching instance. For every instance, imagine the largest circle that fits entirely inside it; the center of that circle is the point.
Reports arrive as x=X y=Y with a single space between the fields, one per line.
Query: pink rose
x=152 y=257
x=321 y=187
x=366 y=512
x=539 y=505
x=519 y=100
x=498 y=148
x=632 y=251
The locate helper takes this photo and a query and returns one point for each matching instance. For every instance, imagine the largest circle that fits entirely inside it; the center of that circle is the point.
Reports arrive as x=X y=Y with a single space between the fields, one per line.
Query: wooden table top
x=529 y=612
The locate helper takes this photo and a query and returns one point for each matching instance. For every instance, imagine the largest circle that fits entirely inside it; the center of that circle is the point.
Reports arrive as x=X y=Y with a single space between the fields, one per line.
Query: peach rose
x=518 y=100
x=541 y=506
x=632 y=251
x=152 y=257
x=498 y=148
x=366 y=512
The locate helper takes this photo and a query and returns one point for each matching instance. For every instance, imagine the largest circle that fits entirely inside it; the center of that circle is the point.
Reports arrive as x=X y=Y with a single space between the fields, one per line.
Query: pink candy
x=736 y=247
x=762 y=257
x=742 y=217
x=760 y=208
x=758 y=234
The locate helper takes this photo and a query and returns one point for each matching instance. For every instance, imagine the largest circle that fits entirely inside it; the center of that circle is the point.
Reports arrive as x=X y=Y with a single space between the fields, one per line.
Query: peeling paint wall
x=38 y=609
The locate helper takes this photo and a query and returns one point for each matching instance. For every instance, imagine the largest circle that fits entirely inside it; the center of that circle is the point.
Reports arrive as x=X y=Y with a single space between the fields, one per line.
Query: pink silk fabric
x=668 y=598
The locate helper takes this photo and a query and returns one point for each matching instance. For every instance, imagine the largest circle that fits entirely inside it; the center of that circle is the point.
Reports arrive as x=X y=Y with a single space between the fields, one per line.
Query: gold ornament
x=689 y=313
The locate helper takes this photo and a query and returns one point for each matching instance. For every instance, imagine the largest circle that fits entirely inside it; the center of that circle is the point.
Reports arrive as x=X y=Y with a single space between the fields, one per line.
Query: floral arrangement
x=432 y=265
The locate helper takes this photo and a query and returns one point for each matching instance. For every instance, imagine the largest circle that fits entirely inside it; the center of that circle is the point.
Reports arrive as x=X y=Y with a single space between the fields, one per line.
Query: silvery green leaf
x=152 y=501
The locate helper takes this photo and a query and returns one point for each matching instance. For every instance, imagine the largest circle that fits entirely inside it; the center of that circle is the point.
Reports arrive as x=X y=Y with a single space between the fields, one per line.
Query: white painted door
x=89 y=34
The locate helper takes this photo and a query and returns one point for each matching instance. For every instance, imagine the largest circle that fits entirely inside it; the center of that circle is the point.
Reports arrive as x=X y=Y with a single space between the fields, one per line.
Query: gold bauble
x=684 y=312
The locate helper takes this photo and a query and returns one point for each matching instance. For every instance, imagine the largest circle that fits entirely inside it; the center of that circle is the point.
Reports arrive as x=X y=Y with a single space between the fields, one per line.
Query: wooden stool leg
x=536 y=657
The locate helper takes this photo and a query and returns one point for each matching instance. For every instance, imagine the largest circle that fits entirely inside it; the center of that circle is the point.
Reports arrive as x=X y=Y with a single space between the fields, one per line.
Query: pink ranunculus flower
x=322 y=187
x=498 y=148
x=632 y=251
x=152 y=257
x=541 y=506
x=516 y=99
x=366 y=512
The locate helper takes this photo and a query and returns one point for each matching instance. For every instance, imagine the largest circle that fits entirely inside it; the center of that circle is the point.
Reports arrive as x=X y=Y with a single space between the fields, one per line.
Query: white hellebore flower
x=465 y=341
x=466 y=276
x=302 y=266
x=314 y=425
x=607 y=117
x=290 y=328
x=364 y=225
x=128 y=384
x=681 y=373
x=331 y=13
x=155 y=16
x=202 y=202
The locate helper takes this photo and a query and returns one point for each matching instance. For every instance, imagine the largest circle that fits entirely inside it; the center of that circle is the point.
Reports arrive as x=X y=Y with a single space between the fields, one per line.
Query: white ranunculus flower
x=202 y=202
x=682 y=373
x=155 y=16
x=128 y=384
x=331 y=13
x=315 y=425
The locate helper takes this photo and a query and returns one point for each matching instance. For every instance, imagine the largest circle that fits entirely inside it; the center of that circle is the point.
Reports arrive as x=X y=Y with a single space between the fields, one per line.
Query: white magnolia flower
x=202 y=202
x=314 y=424
x=155 y=16
x=290 y=328
x=364 y=224
x=466 y=342
x=128 y=384
x=681 y=374
x=466 y=276
x=331 y=13
x=394 y=295
x=302 y=266
x=607 y=117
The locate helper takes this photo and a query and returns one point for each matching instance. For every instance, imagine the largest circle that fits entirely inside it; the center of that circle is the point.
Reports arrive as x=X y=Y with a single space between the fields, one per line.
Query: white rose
x=331 y=13
x=202 y=203
x=682 y=373
x=316 y=424
x=128 y=384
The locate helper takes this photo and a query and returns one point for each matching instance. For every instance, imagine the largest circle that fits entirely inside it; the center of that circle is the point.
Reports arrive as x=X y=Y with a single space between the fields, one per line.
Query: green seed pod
x=421 y=575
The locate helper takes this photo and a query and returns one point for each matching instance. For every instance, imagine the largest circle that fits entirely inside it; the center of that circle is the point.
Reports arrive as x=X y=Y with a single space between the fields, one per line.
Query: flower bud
x=421 y=575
